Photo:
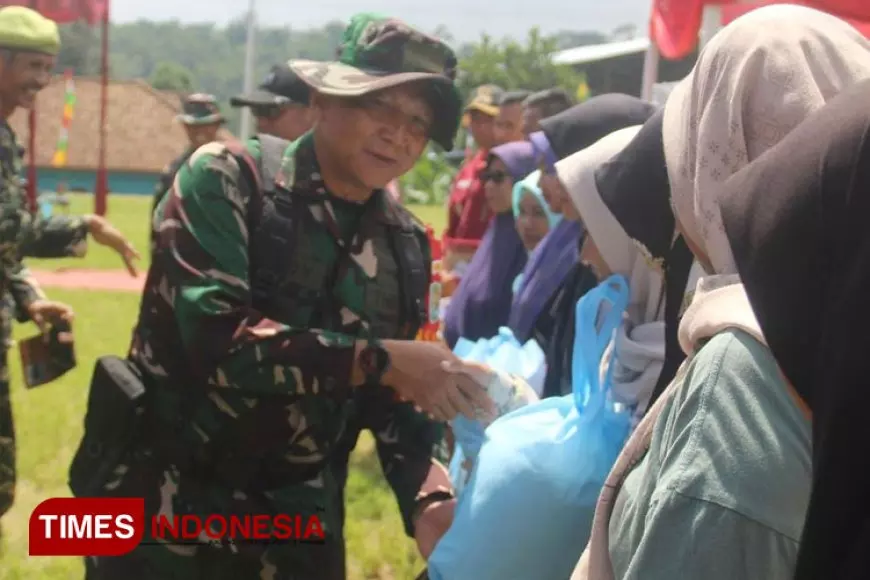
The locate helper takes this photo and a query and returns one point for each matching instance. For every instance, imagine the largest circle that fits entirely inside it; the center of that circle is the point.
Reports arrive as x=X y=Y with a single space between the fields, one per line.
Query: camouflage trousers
x=283 y=561
x=308 y=561
x=317 y=562
x=7 y=441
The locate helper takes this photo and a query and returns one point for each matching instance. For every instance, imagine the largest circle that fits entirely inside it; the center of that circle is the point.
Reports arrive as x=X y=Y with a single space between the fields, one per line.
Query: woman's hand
x=432 y=523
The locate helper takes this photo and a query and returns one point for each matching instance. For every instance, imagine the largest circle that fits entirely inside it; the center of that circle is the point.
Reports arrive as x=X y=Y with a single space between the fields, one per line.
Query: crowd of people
x=287 y=286
x=733 y=213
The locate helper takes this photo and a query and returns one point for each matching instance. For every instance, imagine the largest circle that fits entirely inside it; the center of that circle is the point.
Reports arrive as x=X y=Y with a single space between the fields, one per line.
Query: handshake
x=436 y=380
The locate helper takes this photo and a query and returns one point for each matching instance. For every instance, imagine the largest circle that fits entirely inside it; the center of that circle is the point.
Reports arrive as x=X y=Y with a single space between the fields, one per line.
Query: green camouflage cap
x=25 y=29
x=378 y=52
x=200 y=109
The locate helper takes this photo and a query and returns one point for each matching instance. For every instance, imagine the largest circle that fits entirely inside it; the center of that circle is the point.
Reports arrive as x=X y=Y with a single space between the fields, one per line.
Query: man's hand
x=108 y=235
x=417 y=373
x=432 y=523
x=44 y=312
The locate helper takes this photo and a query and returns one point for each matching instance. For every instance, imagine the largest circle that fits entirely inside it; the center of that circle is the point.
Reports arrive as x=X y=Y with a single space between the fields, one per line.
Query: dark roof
x=142 y=134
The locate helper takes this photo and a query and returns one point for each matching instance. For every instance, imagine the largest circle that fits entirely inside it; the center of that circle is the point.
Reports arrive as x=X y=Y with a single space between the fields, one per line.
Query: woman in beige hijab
x=715 y=480
x=638 y=350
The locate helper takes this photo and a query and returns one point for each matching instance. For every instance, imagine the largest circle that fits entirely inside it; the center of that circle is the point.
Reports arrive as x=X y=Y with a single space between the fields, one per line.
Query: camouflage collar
x=300 y=173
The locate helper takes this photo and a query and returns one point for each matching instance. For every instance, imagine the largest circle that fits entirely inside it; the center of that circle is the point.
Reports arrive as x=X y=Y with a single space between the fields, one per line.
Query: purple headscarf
x=517 y=156
x=482 y=302
x=547 y=267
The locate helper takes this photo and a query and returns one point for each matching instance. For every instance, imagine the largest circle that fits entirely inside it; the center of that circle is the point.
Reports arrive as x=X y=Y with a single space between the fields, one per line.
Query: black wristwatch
x=374 y=361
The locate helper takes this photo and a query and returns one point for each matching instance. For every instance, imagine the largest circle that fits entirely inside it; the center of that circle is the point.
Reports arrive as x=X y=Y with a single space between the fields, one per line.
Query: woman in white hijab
x=638 y=350
x=715 y=480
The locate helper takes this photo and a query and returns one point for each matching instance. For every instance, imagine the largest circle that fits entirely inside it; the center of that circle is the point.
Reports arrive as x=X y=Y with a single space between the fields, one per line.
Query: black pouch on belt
x=114 y=420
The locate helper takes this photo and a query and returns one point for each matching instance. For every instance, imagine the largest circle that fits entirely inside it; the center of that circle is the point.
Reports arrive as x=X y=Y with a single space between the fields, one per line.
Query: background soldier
x=202 y=119
x=277 y=308
x=468 y=214
x=28 y=45
x=509 y=121
x=543 y=104
x=280 y=105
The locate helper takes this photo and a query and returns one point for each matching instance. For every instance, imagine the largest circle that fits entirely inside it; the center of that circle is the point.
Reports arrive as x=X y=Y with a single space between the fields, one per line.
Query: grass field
x=49 y=423
x=129 y=213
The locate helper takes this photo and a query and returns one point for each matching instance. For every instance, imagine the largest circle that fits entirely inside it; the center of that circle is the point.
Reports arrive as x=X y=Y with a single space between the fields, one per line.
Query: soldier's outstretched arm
x=59 y=237
x=204 y=233
x=17 y=225
x=37 y=230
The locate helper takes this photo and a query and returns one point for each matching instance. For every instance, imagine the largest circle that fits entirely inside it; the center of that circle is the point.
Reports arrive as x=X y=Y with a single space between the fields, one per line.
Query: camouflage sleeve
x=206 y=238
x=24 y=290
x=57 y=237
x=50 y=236
x=411 y=449
x=163 y=183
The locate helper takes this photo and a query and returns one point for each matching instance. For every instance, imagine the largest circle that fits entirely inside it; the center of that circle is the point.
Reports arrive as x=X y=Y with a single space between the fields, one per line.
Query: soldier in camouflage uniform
x=28 y=47
x=201 y=118
x=253 y=392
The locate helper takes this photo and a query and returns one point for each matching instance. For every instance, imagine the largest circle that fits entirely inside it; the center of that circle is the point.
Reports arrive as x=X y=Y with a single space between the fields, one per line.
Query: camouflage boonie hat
x=200 y=109
x=378 y=52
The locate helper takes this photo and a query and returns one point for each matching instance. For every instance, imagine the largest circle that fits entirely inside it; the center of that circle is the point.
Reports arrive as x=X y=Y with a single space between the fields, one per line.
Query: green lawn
x=48 y=422
x=129 y=213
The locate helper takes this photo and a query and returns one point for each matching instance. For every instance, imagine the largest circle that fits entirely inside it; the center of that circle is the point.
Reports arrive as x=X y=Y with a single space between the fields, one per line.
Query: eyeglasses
x=497 y=177
x=382 y=111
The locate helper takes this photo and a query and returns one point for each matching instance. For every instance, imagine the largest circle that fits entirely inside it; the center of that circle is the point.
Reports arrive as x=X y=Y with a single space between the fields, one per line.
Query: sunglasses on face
x=497 y=177
x=266 y=112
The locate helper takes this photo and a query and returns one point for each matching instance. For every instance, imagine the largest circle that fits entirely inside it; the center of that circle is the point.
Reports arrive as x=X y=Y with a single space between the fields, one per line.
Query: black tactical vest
x=286 y=274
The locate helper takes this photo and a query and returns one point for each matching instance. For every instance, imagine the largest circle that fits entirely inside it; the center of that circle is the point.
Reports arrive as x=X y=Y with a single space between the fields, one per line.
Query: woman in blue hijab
x=482 y=302
x=533 y=217
x=550 y=260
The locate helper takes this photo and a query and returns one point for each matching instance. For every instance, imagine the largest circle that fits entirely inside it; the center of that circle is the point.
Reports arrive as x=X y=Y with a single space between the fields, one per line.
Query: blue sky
x=465 y=19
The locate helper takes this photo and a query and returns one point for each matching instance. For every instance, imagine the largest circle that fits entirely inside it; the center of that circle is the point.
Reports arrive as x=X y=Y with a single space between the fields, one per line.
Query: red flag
x=62 y=11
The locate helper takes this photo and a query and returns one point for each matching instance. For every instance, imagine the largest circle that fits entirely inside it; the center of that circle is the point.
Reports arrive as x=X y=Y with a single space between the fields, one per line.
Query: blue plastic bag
x=526 y=513
x=503 y=353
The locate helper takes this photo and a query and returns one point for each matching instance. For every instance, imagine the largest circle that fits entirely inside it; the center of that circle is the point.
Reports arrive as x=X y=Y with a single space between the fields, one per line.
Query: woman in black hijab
x=635 y=187
x=561 y=136
x=570 y=130
x=796 y=220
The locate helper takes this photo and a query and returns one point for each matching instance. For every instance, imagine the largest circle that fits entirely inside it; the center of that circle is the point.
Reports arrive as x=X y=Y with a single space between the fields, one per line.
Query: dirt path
x=112 y=280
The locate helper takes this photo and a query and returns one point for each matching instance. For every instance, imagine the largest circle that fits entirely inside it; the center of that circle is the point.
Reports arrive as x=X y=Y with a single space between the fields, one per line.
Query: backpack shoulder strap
x=410 y=246
x=271 y=155
x=271 y=225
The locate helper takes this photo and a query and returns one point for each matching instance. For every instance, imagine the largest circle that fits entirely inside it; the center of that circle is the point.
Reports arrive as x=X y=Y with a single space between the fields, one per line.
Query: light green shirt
x=722 y=492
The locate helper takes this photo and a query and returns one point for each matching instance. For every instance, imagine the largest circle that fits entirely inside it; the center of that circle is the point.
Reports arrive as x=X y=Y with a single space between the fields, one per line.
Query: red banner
x=674 y=24
x=91 y=11
x=844 y=11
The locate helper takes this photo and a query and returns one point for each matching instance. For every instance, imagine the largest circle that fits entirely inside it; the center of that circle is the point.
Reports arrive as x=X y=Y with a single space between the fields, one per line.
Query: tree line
x=210 y=58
